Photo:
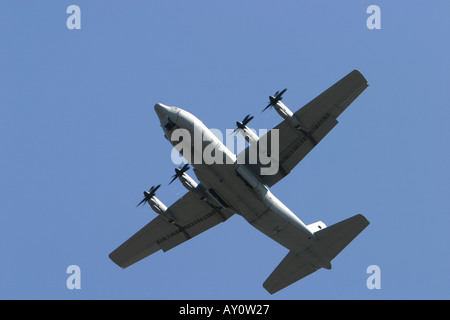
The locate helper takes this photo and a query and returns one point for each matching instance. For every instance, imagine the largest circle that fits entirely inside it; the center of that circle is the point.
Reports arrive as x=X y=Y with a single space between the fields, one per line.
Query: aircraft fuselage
x=234 y=186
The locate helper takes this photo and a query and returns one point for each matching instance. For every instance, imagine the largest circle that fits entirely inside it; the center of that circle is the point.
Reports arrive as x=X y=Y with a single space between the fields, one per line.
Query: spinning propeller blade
x=274 y=99
x=148 y=195
x=179 y=172
x=241 y=125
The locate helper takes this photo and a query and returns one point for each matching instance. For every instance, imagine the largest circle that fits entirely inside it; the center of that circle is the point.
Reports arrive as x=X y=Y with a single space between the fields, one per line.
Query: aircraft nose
x=162 y=110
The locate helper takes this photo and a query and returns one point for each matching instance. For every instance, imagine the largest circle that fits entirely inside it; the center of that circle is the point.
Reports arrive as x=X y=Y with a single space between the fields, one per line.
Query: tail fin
x=329 y=242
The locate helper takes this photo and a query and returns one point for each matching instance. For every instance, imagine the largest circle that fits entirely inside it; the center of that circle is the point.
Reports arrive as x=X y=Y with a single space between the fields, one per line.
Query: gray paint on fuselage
x=257 y=205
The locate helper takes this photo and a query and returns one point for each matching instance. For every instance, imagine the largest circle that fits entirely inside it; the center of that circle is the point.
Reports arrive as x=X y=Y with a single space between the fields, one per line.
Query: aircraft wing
x=192 y=216
x=318 y=118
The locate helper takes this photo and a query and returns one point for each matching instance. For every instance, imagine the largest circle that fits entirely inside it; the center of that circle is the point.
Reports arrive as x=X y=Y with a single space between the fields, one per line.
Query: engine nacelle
x=188 y=182
x=287 y=114
x=157 y=205
x=160 y=208
x=249 y=135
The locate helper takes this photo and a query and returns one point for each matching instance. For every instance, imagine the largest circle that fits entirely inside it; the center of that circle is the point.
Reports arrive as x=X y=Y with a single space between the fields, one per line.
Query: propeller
x=275 y=98
x=179 y=172
x=241 y=125
x=148 y=195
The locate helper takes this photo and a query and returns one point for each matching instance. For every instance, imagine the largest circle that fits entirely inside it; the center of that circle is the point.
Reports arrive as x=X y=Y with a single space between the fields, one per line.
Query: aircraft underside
x=243 y=187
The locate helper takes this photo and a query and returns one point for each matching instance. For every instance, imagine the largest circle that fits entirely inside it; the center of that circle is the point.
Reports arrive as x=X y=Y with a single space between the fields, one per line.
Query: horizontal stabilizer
x=328 y=243
x=332 y=240
x=291 y=269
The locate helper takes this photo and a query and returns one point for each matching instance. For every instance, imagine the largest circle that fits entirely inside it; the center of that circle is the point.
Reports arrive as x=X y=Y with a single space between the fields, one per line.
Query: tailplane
x=328 y=243
x=332 y=240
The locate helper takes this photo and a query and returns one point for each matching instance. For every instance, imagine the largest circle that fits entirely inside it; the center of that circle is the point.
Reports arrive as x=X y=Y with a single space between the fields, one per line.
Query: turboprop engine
x=185 y=179
x=283 y=111
x=156 y=204
x=246 y=132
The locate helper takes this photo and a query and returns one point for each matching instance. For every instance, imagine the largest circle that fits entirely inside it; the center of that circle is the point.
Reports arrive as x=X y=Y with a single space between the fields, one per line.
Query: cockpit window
x=169 y=125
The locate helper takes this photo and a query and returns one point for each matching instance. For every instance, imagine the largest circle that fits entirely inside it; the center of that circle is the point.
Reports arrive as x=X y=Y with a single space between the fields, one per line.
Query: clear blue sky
x=80 y=141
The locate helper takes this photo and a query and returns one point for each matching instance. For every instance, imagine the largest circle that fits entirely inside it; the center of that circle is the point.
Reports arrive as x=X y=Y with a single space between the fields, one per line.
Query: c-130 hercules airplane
x=239 y=187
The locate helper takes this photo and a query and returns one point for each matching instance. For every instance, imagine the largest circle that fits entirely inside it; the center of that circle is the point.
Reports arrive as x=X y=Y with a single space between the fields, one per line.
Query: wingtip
x=357 y=71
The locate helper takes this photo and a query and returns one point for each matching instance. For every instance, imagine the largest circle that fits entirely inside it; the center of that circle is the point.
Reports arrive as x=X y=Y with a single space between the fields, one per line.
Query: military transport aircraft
x=240 y=187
